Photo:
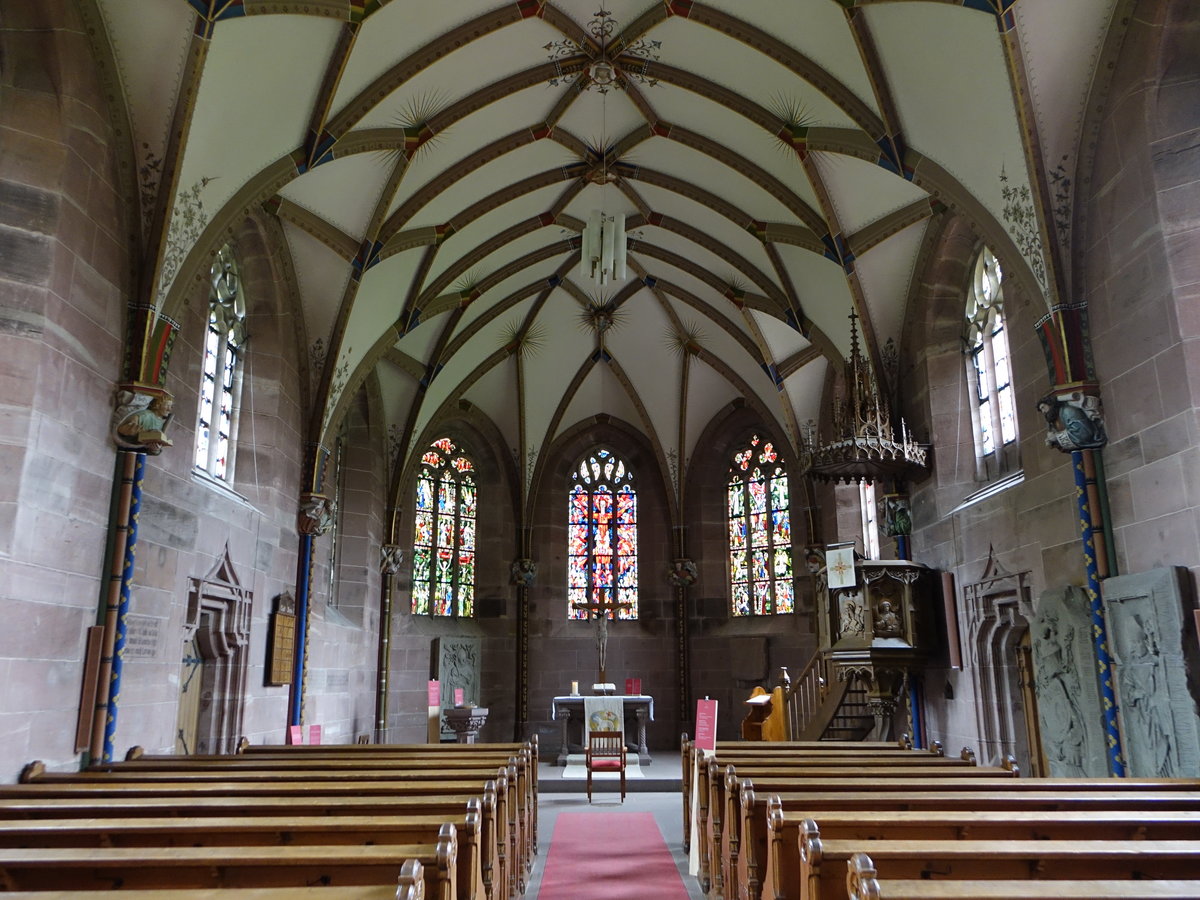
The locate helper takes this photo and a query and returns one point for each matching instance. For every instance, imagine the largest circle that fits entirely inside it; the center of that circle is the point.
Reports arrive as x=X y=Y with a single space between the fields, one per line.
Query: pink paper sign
x=458 y=696
x=314 y=734
x=435 y=693
x=706 y=725
x=295 y=734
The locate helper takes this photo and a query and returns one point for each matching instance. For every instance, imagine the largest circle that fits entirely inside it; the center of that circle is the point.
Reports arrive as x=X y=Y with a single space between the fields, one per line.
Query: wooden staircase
x=818 y=710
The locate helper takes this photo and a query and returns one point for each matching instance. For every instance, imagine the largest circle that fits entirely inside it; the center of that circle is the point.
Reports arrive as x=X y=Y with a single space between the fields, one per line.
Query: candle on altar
x=574 y=688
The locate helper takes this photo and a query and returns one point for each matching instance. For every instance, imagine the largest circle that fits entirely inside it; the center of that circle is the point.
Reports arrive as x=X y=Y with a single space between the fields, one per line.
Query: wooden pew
x=369 y=756
x=837 y=751
x=862 y=884
x=257 y=831
x=410 y=885
x=511 y=857
x=824 y=865
x=789 y=831
x=108 y=868
x=720 y=810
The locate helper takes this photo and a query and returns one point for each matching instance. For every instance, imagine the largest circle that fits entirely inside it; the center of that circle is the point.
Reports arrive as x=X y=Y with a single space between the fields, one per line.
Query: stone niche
x=1149 y=626
x=1065 y=680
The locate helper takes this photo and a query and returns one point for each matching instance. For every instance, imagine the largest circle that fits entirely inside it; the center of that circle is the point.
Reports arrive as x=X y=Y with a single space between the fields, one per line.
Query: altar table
x=567 y=708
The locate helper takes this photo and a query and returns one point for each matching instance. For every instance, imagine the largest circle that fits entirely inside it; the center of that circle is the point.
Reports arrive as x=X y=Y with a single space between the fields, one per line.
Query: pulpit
x=876 y=626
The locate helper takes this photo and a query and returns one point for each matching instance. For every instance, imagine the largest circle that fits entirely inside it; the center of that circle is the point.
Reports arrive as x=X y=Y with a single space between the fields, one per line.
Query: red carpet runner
x=609 y=856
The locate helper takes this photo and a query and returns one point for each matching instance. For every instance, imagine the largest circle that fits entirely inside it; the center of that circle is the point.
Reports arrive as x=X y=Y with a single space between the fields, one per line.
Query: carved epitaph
x=456 y=663
x=1064 y=662
x=1160 y=732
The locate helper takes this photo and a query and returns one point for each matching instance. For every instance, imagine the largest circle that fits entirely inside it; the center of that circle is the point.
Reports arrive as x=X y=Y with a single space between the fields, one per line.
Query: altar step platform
x=663 y=775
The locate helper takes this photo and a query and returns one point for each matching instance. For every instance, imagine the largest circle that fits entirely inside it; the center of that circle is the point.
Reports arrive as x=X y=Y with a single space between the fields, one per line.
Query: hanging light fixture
x=603 y=249
x=864 y=447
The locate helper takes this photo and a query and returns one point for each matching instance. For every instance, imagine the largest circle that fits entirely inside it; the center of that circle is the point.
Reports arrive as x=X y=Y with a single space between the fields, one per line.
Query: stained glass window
x=443 y=580
x=220 y=381
x=602 y=536
x=760 y=532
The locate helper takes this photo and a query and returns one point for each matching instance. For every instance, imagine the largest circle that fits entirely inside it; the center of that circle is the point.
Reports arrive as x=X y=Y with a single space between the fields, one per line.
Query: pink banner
x=314 y=734
x=295 y=734
x=435 y=693
x=706 y=725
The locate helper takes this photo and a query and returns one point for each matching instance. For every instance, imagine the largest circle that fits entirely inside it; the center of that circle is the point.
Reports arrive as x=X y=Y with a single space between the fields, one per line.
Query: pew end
x=32 y=772
x=411 y=883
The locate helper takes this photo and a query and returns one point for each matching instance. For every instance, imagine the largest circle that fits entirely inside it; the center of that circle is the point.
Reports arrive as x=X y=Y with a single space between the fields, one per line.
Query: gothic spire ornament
x=864 y=445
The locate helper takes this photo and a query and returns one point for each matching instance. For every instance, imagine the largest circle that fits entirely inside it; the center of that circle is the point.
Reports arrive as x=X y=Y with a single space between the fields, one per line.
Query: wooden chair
x=605 y=753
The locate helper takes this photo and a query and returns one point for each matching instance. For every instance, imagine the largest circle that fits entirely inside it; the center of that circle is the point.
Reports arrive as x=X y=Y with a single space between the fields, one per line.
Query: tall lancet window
x=221 y=380
x=602 y=536
x=443 y=580
x=989 y=371
x=760 y=532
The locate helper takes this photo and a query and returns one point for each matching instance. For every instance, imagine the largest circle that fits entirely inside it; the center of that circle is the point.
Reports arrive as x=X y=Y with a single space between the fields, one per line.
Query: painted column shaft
x=119 y=634
x=1112 y=732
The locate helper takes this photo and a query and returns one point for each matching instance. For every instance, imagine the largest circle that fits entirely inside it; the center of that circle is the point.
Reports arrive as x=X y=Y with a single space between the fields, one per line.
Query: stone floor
x=658 y=792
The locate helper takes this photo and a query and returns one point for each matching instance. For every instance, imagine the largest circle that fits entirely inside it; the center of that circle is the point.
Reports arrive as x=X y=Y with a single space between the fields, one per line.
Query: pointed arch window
x=602 y=547
x=989 y=371
x=760 y=532
x=221 y=377
x=443 y=579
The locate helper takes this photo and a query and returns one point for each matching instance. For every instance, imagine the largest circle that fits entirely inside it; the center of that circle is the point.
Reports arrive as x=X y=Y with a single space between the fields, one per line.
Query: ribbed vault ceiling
x=779 y=164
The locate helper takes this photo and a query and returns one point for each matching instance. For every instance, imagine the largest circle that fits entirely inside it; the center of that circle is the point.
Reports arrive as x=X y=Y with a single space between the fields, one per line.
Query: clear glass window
x=220 y=381
x=989 y=368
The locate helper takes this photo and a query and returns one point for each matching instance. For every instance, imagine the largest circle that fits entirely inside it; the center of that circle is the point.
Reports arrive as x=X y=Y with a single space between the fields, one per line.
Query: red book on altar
x=633 y=687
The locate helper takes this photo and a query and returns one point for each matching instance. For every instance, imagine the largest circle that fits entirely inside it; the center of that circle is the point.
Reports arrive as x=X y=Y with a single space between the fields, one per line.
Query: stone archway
x=216 y=639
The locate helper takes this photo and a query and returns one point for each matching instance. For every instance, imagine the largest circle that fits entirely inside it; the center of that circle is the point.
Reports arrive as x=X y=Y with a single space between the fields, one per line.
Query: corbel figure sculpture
x=1074 y=421
x=141 y=417
x=524 y=571
x=683 y=573
x=315 y=516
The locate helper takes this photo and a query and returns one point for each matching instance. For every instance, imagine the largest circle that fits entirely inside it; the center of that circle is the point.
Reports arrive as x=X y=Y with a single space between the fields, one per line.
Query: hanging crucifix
x=598 y=611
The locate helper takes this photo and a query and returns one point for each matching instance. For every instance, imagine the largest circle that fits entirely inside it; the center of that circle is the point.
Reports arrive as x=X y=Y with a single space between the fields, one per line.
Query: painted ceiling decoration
x=779 y=165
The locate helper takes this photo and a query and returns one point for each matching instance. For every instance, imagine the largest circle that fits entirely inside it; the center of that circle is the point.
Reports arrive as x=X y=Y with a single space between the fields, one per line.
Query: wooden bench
x=258 y=831
x=720 y=813
x=512 y=856
x=738 y=843
x=108 y=868
x=410 y=885
x=862 y=884
x=788 y=831
x=824 y=864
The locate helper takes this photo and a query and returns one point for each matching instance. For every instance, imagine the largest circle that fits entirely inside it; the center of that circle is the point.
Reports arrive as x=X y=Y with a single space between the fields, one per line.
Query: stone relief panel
x=457 y=662
x=1068 y=695
x=1160 y=732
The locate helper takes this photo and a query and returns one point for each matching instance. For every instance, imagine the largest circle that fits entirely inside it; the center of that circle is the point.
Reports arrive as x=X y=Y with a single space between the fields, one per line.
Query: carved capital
x=391 y=558
x=315 y=516
x=140 y=418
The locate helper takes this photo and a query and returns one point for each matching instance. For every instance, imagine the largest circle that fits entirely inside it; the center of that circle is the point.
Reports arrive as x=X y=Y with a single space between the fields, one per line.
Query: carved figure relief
x=140 y=419
x=1160 y=732
x=683 y=573
x=851 y=616
x=456 y=664
x=1074 y=421
x=391 y=558
x=524 y=571
x=1065 y=683
x=887 y=623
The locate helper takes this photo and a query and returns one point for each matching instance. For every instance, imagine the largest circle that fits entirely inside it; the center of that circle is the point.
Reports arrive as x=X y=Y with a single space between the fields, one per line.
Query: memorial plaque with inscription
x=281 y=645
